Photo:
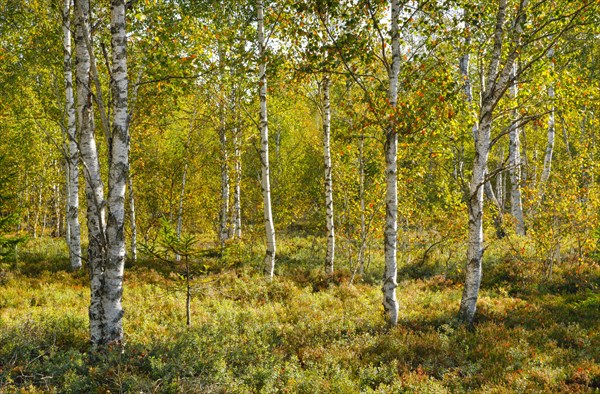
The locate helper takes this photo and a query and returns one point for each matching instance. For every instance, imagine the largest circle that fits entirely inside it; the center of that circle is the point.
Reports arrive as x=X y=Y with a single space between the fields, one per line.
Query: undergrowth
x=304 y=332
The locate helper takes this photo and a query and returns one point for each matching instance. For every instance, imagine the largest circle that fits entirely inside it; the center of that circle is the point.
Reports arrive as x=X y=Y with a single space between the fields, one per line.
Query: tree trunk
x=468 y=89
x=223 y=230
x=329 y=258
x=516 y=206
x=37 y=211
x=117 y=178
x=269 y=262
x=390 y=303
x=72 y=167
x=94 y=188
x=224 y=214
x=551 y=132
x=495 y=86
x=180 y=208
x=236 y=218
x=475 y=211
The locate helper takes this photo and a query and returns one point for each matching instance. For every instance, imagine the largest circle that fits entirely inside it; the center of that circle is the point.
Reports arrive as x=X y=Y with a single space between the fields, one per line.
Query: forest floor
x=303 y=332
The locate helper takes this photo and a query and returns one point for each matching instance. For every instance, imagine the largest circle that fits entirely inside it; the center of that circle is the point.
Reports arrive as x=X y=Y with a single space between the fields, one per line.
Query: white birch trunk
x=224 y=214
x=236 y=217
x=514 y=159
x=132 y=223
x=224 y=221
x=235 y=227
x=329 y=257
x=551 y=132
x=496 y=84
x=475 y=210
x=74 y=233
x=390 y=303
x=117 y=179
x=269 y=262
x=94 y=188
x=468 y=89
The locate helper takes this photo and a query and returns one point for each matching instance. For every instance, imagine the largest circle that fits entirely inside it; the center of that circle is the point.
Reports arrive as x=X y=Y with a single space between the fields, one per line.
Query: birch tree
x=269 y=262
x=72 y=151
x=224 y=214
x=551 y=128
x=512 y=39
x=329 y=257
x=94 y=187
x=464 y=66
x=236 y=215
x=390 y=303
x=106 y=250
x=514 y=161
x=117 y=178
x=496 y=83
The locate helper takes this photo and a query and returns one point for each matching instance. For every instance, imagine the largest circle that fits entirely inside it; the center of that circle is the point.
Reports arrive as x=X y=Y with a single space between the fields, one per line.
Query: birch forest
x=310 y=196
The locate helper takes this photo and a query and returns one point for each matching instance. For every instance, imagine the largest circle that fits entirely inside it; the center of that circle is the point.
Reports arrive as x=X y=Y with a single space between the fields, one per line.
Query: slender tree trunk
x=224 y=221
x=224 y=214
x=329 y=258
x=475 y=210
x=132 y=223
x=37 y=211
x=72 y=166
x=235 y=228
x=269 y=263
x=188 y=294
x=551 y=132
x=117 y=179
x=468 y=89
x=94 y=188
x=236 y=219
x=516 y=205
x=67 y=189
x=495 y=86
x=390 y=303
x=57 y=210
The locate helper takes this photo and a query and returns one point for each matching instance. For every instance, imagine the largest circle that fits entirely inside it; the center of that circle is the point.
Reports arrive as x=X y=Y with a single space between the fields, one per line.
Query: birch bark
x=514 y=160
x=329 y=257
x=495 y=86
x=117 y=179
x=551 y=132
x=224 y=221
x=94 y=188
x=269 y=262
x=488 y=190
x=236 y=217
x=224 y=231
x=390 y=303
x=72 y=167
